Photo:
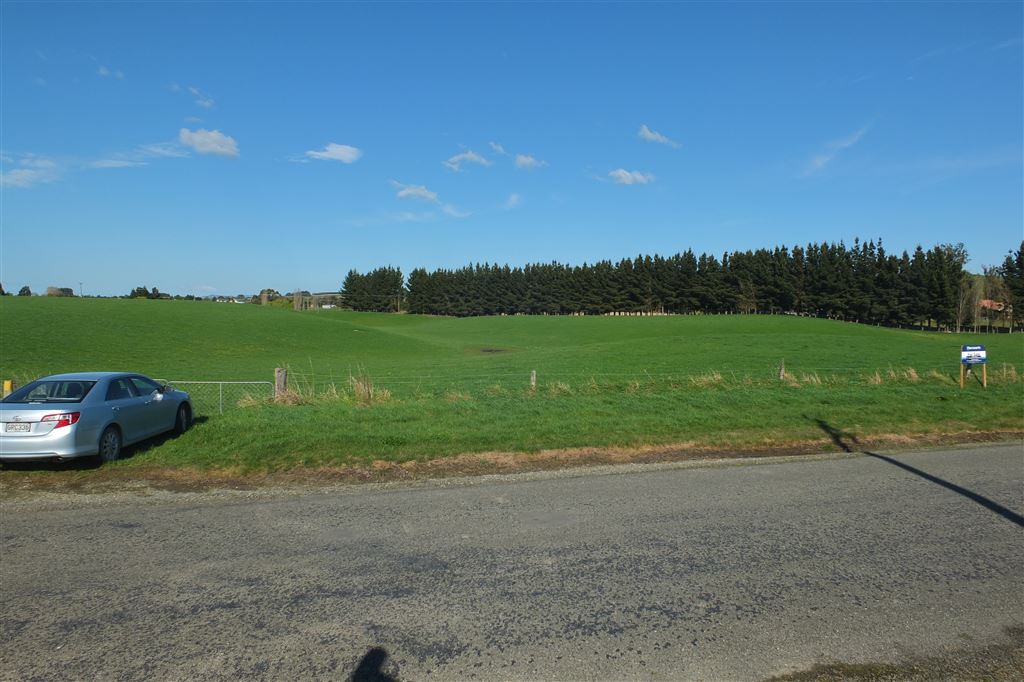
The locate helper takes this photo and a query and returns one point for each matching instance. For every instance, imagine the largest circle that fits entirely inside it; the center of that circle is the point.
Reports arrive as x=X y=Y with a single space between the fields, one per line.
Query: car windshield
x=51 y=391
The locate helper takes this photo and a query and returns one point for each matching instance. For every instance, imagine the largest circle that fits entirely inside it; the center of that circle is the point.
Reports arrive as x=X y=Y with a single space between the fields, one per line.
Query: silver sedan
x=84 y=414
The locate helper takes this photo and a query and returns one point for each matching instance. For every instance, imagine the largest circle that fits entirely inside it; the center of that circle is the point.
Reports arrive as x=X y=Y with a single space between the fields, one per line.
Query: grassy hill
x=446 y=386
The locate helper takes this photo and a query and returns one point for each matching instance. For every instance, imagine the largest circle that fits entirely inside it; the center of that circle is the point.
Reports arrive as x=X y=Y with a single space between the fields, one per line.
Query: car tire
x=184 y=419
x=110 y=444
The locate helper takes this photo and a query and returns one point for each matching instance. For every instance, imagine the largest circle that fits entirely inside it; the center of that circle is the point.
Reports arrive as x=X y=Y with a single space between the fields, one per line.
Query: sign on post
x=974 y=355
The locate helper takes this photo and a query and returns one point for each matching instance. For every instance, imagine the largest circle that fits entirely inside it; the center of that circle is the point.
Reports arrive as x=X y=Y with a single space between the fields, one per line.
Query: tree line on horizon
x=862 y=283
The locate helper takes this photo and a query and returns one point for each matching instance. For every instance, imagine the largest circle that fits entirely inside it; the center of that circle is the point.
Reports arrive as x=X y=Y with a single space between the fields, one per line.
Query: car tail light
x=66 y=419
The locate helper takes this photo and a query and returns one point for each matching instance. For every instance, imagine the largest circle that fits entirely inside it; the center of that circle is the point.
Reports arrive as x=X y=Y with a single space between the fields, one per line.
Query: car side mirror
x=162 y=389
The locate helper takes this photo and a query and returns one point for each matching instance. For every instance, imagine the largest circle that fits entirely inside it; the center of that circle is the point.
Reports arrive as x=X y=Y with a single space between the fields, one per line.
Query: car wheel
x=110 y=444
x=184 y=419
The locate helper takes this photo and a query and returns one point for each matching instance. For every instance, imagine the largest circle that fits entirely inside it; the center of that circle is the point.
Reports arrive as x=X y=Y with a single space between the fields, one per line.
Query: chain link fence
x=216 y=397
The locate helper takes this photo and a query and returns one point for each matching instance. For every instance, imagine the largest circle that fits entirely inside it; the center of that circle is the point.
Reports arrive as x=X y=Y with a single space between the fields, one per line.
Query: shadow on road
x=843 y=440
x=370 y=668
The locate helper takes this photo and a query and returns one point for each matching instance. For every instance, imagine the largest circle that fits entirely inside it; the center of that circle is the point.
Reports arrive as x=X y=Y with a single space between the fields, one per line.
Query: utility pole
x=79 y=290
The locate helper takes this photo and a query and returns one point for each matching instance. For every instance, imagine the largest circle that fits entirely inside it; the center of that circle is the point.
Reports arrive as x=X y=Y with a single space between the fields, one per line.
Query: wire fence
x=216 y=397
x=438 y=379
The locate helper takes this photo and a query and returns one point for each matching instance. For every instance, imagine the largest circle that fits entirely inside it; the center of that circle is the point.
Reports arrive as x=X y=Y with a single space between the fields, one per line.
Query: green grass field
x=448 y=386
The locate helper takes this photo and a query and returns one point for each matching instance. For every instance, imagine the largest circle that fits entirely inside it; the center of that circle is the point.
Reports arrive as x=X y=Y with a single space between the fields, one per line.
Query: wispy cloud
x=117 y=163
x=1012 y=42
x=654 y=136
x=161 y=149
x=203 y=100
x=528 y=162
x=454 y=211
x=514 y=201
x=942 y=51
x=621 y=176
x=414 y=192
x=32 y=170
x=28 y=170
x=393 y=218
x=498 y=149
x=209 y=142
x=468 y=156
x=928 y=171
x=421 y=193
x=336 y=152
x=831 y=150
x=140 y=156
x=105 y=72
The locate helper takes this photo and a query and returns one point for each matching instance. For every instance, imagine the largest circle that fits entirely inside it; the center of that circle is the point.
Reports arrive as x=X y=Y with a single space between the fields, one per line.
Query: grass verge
x=345 y=437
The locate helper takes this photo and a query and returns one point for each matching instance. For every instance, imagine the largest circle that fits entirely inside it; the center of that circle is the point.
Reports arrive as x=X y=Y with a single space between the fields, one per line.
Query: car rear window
x=51 y=391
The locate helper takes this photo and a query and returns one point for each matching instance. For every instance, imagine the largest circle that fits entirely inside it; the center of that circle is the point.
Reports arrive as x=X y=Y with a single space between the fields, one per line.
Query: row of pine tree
x=861 y=283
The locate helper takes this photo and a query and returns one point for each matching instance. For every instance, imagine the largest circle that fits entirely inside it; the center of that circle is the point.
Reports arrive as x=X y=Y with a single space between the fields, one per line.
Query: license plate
x=18 y=427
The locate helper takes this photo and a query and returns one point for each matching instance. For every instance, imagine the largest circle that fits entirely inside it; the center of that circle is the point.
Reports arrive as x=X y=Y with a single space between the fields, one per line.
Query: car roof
x=86 y=376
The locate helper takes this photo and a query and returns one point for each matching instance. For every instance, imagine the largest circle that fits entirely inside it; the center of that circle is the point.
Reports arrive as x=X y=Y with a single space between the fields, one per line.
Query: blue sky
x=221 y=148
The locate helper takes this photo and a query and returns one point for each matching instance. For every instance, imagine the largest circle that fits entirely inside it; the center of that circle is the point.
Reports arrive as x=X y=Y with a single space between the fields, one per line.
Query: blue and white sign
x=972 y=355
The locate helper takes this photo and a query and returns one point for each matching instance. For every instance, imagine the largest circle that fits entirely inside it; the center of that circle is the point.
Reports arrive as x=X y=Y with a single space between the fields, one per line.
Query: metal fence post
x=221 y=398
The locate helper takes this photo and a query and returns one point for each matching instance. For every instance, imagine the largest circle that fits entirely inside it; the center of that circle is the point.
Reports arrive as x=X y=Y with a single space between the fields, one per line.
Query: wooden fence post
x=280 y=382
x=533 y=380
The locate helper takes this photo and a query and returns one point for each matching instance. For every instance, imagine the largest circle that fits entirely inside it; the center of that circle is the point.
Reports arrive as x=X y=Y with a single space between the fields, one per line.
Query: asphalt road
x=737 y=571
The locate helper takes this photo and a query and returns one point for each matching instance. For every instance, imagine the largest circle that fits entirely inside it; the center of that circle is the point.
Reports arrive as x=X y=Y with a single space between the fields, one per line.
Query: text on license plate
x=18 y=427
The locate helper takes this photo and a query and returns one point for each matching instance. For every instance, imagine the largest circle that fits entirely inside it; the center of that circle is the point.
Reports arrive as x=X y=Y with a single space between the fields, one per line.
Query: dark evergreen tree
x=1012 y=272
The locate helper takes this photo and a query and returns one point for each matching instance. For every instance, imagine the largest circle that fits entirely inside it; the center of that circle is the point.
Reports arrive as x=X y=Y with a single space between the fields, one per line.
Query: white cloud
x=831 y=150
x=528 y=162
x=119 y=75
x=205 y=101
x=103 y=71
x=455 y=212
x=514 y=200
x=336 y=152
x=621 y=176
x=414 y=192
x=468 y=156
x=174 y=87
x=654 y=136
x=209 y=142
x=498 y=148
x=421 y=193
x=34 y=170
x=117 y=163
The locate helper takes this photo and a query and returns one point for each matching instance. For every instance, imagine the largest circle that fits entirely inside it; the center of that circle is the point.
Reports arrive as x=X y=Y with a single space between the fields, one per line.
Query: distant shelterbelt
x=861 y=283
